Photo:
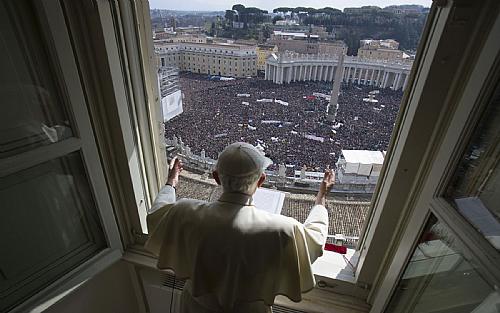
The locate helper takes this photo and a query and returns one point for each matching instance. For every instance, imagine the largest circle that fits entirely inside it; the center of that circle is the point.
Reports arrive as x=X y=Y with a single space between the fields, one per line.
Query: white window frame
x=471 y=95
x=83 y=140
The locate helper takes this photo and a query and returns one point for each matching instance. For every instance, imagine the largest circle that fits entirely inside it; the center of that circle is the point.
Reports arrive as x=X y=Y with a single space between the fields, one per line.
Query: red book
x=335 y=248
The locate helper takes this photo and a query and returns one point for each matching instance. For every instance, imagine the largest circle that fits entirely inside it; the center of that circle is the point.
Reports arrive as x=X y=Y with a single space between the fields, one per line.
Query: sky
x=222 y=5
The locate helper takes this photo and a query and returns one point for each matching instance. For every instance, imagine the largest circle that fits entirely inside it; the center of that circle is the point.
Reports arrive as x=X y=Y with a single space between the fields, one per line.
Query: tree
x=266 y=31
x=239 y=8
x=282 y=10
x=212 y=29
x=277 y=18
x=230 y=14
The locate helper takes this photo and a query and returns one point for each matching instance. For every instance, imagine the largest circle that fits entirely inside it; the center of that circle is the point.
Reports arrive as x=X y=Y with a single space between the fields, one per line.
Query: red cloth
x=335 y=248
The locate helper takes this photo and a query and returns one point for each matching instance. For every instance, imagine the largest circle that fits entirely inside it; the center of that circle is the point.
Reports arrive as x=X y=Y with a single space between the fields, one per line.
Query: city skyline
x=222 y=5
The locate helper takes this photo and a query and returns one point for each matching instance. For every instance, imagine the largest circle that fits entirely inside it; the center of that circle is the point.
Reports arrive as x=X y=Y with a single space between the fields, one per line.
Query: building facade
x=386 y=49
x=379 y=44
x=263 y=52
x=185 y=39
x=381 y=54
x=211 y=58
x=335 y=48
x=290 y=67
x=306 y=43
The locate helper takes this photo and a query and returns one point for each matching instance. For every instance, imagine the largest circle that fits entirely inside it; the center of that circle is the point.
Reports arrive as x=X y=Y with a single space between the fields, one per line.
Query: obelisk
x=334 y=98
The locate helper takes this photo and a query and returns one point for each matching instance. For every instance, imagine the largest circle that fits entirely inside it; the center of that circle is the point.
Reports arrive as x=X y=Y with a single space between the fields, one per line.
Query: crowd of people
x=293 y=130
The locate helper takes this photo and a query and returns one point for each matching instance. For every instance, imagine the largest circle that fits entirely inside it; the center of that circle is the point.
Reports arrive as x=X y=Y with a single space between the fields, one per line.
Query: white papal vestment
x=236 y=257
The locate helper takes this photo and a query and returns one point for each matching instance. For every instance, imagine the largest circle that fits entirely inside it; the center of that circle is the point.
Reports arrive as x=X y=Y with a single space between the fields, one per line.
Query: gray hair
x=244 y=184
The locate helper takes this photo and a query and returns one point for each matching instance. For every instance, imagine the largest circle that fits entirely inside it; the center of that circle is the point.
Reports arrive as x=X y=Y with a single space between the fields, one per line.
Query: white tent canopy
x=363 y=162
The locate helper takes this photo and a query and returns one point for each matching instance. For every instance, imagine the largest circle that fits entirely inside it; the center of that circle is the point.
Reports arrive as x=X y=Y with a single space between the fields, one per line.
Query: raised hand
x=328 y=180
x=326 y=186
x=174 y=169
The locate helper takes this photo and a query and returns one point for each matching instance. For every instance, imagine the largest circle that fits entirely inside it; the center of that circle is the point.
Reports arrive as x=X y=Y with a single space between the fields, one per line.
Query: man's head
x=240 y=168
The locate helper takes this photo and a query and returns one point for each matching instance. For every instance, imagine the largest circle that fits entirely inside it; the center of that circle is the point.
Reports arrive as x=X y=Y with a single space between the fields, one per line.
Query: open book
x=269 y=200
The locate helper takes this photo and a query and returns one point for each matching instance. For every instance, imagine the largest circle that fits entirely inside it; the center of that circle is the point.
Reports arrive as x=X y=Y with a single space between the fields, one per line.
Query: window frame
x=368 y=266
x=374 y=264
x=55 y=33
x=465 y=101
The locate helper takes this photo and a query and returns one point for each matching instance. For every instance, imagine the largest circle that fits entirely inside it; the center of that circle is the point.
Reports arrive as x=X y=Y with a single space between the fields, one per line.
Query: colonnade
x=363 y=72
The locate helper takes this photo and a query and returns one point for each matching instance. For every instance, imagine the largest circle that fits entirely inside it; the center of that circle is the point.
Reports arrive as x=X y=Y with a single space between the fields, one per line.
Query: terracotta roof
x=346 y=217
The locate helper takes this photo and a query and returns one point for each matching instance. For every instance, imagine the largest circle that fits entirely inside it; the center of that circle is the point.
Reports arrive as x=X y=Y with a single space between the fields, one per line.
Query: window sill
x=332 y=265
x=338 y=289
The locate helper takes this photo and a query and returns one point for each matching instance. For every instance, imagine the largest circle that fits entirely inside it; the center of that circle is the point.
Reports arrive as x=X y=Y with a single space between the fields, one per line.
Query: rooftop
x=301 y=35
x=363 y=156
x=199 y=44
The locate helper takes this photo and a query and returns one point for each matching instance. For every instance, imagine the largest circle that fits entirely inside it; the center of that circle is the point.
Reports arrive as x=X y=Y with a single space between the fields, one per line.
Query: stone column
x=366 y=76
x=400 y=79
x=359 y=75
x=396 y=83
x=406 y=81
x=386 y=80
x=371 y=77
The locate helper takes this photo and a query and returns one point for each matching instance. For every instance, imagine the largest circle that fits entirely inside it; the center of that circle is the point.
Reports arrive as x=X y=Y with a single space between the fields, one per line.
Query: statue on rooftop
x=303 y=172
x=282 y=170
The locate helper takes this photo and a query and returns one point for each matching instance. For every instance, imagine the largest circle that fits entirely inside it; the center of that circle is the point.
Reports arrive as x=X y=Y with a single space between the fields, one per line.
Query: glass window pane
x=475 y=184
x=439 y=279
x=49 y=225
x=31 y=111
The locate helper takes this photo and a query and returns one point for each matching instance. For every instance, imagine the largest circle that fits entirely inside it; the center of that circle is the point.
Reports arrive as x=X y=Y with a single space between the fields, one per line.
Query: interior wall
x=109 y=291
